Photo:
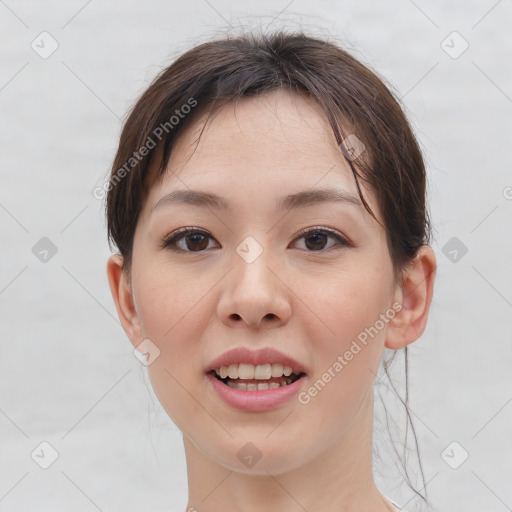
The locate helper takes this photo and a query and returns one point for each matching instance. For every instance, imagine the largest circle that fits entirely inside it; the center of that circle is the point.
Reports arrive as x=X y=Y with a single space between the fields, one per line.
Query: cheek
x=346 y=304
x=348 y=333
x=173 y=390
x=170 y=302
x=347 y=359
x=173 y=316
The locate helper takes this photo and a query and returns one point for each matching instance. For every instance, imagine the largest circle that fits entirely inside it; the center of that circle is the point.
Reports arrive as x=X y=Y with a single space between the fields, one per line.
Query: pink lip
x=255 y=357
x=254 y=401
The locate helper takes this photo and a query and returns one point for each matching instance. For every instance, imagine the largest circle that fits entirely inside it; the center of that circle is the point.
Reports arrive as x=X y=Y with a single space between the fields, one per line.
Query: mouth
x=249 y=377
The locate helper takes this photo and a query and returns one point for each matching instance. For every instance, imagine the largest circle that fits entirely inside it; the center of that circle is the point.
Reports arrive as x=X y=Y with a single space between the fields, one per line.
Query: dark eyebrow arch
x=292 y=201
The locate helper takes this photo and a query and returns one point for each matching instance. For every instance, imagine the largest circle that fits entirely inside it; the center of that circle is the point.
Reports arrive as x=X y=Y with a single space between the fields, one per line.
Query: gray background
x=67 y=372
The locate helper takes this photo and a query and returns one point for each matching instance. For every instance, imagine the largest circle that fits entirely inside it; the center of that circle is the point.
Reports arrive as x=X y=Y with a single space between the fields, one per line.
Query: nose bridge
x=252 y=273
x=255 y=292
x=252 y=268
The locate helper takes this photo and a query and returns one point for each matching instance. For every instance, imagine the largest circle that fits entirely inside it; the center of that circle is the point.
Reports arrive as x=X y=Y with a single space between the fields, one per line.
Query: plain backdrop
x=67 y=373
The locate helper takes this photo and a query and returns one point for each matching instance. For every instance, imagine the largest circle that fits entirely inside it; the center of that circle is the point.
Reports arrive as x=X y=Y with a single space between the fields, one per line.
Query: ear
x=414 y=293
x=121 y=290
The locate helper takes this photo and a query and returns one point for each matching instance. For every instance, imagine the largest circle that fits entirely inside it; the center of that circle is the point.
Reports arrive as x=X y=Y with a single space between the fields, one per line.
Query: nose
x=255 y=293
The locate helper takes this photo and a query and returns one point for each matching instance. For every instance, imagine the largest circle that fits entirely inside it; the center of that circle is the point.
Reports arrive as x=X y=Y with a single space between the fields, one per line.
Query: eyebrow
x=292 y=201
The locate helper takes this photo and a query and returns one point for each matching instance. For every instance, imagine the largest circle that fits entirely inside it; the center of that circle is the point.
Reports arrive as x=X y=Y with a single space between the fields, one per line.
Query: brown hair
x=354 y=99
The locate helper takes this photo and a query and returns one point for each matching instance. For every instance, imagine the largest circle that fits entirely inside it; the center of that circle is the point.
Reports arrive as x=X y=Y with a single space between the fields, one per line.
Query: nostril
x=270 y=316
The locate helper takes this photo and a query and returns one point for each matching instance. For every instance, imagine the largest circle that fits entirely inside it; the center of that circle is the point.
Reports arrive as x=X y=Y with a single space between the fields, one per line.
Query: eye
x=195 y=240
x=315 y=238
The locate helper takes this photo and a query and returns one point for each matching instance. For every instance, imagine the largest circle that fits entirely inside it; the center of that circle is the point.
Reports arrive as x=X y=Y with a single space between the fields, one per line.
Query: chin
x=259 y=456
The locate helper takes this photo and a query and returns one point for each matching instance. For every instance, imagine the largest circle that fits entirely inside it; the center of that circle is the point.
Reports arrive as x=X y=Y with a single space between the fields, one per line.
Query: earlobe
x=123 y=298
x=415 y=295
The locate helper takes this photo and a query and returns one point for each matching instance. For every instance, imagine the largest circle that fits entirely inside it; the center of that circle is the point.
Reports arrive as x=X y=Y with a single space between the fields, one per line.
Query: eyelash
x=171 y=240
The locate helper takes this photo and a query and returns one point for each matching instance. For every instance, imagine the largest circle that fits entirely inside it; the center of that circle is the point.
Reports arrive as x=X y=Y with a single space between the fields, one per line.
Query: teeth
x=233 y=371
x=249 y=371
x=263 y=372
x=259 y=386
x=245 y=371
x=277 y=370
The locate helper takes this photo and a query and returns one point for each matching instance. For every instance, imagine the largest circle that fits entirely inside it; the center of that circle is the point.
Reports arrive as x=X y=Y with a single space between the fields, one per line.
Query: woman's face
x=247 y=279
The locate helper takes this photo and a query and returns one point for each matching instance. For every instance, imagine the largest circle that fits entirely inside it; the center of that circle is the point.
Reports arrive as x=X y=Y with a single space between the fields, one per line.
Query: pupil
x=193 y=242
x=316 y=235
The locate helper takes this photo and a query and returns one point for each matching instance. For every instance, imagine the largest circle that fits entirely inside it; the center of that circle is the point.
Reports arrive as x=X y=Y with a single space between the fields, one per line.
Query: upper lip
x=255 y=357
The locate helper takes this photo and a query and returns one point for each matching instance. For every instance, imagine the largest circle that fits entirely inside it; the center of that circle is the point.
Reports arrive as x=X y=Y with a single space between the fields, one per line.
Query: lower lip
x=254 y=401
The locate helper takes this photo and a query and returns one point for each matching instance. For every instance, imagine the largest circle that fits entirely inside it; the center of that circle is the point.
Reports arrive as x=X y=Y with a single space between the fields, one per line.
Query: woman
x=268 y=203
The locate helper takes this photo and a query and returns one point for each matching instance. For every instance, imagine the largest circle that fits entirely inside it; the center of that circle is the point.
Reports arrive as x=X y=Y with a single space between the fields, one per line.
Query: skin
x=310 y=304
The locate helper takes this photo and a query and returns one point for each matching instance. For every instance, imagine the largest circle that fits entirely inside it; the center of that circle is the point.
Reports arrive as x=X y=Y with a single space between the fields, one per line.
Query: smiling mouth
x=258 y=384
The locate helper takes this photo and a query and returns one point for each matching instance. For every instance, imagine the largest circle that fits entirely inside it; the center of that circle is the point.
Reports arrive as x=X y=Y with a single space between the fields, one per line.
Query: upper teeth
x=249 y=371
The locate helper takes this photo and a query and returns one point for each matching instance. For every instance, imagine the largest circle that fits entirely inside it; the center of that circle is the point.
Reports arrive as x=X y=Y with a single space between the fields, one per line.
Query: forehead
x=276 y=134
x=259 y=146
